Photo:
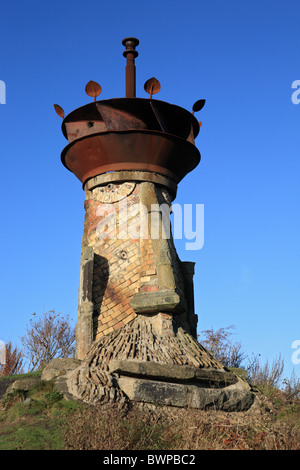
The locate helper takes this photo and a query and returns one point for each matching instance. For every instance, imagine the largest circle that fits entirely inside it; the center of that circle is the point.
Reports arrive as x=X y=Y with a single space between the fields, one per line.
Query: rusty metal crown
x=130 y=133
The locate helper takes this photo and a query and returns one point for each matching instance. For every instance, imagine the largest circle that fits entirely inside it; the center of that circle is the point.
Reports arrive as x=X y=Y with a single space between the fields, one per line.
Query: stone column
x=129 y=264
x=188 y=269
x=84 y=327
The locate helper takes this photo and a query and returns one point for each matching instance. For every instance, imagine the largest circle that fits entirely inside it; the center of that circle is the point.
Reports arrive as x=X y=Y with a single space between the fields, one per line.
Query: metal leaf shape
x=152 y=86
x=93 y=89
x=59 y=110
x=198 y=105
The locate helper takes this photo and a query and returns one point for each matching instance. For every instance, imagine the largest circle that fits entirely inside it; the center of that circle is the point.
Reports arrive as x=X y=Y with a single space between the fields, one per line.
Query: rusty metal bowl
x=130 y=134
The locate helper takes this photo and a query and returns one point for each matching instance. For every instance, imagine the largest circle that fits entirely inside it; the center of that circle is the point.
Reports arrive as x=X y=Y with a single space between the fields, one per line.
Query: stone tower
x=136 y=330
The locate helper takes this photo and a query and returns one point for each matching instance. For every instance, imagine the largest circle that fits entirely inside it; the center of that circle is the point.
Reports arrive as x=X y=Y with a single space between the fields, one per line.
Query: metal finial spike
x=130 y=44
x=130 y=53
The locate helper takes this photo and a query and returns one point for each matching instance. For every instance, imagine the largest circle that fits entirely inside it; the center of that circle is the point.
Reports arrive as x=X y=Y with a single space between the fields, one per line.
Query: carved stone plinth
x=151 y=362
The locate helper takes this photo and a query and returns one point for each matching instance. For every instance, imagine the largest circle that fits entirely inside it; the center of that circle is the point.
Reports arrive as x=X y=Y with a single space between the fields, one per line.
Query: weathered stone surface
x=140 y=340
x=161 y=301
x=84 y=327
x=91 y=385
x=131 y=175
x=139 y=363
x=181 y=385
x=231 y=398
x=59 y=367
x=242 y=373
x=5 y=383
x=127 y=262
x=24 y=384
x=61 y=385
x=177 y=373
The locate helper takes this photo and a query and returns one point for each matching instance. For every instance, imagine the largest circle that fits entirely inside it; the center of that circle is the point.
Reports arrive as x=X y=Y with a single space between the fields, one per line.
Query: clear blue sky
x=242 y=57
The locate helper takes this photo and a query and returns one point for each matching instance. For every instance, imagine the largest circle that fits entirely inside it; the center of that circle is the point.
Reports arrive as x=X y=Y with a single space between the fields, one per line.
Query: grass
x=185 y=429
x=41 y=419
x=34 y=420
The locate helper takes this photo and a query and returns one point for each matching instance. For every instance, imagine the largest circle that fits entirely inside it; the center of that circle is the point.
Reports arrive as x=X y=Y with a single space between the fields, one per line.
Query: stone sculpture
x=137 y=330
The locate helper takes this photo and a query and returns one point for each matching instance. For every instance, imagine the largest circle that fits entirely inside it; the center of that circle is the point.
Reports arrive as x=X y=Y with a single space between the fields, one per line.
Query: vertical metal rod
x=130 y=53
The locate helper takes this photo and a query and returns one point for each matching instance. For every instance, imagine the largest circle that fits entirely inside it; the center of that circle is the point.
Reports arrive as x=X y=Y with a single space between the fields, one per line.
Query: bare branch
x=48 y=336
x=13 y=361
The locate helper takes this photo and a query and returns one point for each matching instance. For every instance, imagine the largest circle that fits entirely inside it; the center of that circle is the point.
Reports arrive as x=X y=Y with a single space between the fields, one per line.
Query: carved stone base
x=154 y=362
x=231 y=398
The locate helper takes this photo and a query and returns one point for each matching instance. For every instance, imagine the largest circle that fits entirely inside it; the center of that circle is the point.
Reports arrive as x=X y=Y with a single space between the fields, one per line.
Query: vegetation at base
x=34 y=419
x=41 y=419
x=48 y=335
x=266 y=377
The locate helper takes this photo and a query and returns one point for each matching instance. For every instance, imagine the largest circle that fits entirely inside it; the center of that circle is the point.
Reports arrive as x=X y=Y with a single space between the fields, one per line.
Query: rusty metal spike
x=130 y=53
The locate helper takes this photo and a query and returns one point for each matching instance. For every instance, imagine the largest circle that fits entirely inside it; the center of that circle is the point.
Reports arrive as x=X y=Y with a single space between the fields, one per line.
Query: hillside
x=37 y=417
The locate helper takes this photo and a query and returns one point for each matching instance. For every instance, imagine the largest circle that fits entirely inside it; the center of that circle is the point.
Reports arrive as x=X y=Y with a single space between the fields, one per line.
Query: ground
x=41 y=419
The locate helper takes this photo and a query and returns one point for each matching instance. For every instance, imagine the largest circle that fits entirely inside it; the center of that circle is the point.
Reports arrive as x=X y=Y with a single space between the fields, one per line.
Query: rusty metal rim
x=128 y=131
x=137 y=165
x=194 y=122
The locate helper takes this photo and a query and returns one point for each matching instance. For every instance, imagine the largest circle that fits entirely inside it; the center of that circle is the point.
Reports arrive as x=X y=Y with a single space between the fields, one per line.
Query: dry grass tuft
x=150 y=428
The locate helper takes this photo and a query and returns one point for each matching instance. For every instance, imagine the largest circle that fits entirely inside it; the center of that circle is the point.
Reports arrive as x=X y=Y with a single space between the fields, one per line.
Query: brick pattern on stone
x=123 y=265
